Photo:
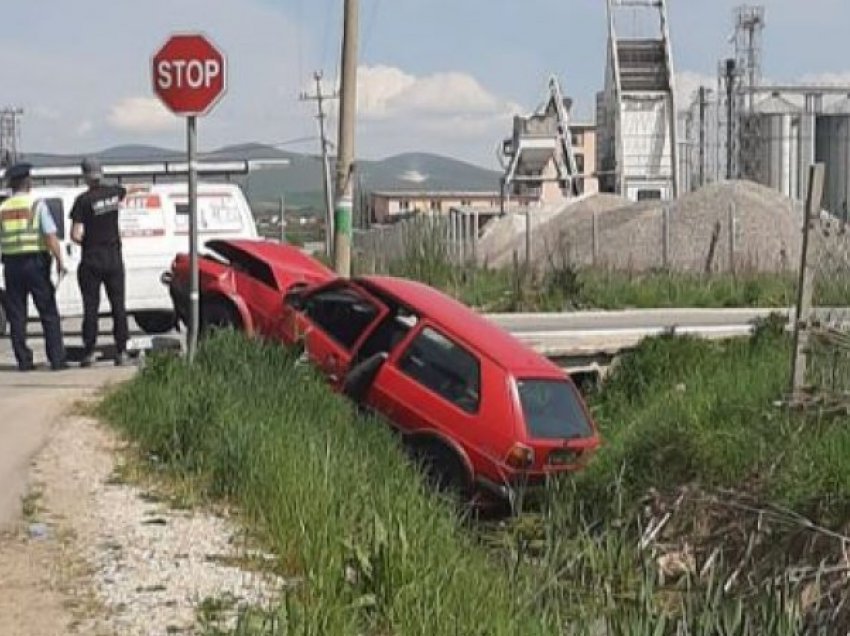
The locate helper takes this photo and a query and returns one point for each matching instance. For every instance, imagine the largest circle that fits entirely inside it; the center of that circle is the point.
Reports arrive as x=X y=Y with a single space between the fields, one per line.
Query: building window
x=649 y=195
x=435 y=205
x=404 y=205
x=577 y=138
x=466 y=202
x=580 y=162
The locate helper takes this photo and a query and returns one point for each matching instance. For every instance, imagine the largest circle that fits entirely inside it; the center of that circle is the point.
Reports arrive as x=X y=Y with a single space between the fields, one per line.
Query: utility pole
x=320 y=97
x=345 y=160
x=702 y=106
x=10 y=135
x=730 y=116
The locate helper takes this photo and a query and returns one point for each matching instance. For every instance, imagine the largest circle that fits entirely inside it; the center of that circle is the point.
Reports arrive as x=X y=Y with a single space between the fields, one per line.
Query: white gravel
x=149 y=567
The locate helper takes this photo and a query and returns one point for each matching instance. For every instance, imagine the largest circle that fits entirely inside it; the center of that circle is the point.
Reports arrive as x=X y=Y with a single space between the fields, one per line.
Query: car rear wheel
x=218 y=314
x=155 y=322
x=444 y=470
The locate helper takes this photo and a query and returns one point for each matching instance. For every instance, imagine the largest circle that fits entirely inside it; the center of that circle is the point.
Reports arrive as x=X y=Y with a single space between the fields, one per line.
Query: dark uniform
x=102 y=262
x=25 y=222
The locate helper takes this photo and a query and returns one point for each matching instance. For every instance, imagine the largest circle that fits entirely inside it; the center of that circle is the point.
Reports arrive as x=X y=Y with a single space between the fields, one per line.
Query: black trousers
x=25 y=276
x=107 y=269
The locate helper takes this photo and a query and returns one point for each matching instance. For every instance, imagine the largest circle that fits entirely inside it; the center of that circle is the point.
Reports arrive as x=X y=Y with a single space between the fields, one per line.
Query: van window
x=445 y=368
x=57 y=211
x=217 y=212
x=341 y=313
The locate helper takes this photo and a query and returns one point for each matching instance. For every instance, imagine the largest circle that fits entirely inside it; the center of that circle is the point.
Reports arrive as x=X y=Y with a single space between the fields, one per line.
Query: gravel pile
x=631 y=235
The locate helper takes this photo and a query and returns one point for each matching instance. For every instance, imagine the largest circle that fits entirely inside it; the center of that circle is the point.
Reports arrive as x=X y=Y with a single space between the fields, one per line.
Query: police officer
x=95 y=227
x=27 y=239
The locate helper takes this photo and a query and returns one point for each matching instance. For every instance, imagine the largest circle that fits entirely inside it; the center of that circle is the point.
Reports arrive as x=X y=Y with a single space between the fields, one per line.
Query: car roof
x=463 y=323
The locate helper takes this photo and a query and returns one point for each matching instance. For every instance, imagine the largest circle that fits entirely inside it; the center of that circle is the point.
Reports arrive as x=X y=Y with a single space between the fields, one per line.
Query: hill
x=301 y=180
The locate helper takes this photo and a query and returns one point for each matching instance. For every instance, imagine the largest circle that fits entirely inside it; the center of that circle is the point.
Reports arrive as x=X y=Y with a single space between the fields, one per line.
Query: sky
x=443 y=76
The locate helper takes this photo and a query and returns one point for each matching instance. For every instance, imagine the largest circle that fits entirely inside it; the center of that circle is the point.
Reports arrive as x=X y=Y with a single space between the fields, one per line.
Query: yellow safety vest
x=20 y=226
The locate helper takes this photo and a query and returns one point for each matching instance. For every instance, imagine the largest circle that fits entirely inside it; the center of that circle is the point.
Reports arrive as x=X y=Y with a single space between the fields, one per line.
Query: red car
x=483 y=410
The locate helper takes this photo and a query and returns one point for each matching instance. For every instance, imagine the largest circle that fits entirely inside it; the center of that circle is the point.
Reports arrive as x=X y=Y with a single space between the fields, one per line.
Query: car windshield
x=553 y=410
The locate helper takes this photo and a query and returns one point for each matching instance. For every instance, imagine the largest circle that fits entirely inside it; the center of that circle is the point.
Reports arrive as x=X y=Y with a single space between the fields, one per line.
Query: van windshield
x=552 y=410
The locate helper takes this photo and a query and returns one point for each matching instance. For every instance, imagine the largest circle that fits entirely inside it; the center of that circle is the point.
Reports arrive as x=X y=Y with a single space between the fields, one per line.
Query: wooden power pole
x=805 y=290
x=345 y=158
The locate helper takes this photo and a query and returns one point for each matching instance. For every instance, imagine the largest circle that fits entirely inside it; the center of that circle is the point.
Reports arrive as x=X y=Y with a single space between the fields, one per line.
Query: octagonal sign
x=189 y=74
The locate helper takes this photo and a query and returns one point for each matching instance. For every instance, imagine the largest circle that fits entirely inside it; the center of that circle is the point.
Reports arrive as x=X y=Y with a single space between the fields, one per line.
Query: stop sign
x=189 y=74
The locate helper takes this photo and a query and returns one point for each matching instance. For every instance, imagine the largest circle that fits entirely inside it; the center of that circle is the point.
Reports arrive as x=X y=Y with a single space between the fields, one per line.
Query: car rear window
x=553 y=410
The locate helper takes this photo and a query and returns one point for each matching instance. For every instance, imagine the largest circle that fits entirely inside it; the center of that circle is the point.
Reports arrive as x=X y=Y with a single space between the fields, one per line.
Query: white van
x=154 y=223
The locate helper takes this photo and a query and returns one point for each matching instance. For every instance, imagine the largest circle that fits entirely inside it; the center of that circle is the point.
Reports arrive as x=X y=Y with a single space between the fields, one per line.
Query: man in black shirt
x=95 y=228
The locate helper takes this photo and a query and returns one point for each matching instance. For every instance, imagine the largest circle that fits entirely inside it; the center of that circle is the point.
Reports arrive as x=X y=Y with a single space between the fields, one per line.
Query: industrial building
x=548 y=157
x=392 y=206
x=636 y=111
x=769 y=134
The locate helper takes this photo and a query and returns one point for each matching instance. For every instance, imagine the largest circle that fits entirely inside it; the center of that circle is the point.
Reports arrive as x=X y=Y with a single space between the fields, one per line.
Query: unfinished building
x=636 y=113
x=538 y=159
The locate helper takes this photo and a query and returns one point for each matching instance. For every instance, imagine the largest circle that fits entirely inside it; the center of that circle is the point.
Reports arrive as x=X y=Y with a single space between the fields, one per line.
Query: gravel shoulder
x=95 y=554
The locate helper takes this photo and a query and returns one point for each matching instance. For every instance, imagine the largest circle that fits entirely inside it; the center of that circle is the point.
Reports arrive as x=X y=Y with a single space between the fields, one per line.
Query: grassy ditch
x=667 y=532
x=369 y=549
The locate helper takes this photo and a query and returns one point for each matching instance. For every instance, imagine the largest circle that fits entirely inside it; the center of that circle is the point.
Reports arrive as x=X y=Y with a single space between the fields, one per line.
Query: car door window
x=341 y=313
x=445 y=368
x=387 y=335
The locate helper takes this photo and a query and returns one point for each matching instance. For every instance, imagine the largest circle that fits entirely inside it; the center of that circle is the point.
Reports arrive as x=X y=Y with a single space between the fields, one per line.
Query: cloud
x=386 y=92
x=141 y=115
x=84 y=128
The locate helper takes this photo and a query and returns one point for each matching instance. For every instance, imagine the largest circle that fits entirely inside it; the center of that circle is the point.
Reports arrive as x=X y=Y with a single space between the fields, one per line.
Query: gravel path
x=111 y=558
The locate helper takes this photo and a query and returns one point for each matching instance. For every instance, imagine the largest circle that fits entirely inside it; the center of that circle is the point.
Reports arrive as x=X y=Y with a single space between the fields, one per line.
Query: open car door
x=335 y=319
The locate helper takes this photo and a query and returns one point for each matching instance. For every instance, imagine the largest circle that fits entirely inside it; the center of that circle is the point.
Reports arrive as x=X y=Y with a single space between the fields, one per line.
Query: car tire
x=216 y=315
x=445 y=471
x=155 y=322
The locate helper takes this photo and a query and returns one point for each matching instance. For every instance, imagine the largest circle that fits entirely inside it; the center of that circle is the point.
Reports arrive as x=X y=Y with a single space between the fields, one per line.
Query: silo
x=770 y=145
x=832 y=147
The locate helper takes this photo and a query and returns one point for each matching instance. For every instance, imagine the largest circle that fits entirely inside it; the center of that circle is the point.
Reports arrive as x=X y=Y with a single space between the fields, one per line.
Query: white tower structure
x=636 y=113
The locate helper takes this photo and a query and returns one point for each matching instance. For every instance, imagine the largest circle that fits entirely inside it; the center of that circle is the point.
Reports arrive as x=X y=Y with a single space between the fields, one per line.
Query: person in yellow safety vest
x=27 y=240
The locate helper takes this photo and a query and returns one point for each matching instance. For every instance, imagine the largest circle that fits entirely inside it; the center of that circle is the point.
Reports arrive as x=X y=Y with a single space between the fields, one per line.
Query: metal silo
x=832 y=147
x=770 y=145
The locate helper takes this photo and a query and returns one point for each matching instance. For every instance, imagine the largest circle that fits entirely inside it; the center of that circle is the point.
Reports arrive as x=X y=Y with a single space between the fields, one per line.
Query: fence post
x=733 y=238
x=528 y=238
x=665 y=236
x=805 y=290
x=475 y=229
x=594 y=230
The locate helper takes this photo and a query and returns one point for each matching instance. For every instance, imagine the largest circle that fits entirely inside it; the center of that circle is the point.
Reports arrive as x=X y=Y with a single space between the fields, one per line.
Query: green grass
x=332 y=493
x=684 y=411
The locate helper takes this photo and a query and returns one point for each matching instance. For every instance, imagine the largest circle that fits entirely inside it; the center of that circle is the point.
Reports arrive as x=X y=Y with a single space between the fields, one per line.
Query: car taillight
x=564 y=457
x=520 y=456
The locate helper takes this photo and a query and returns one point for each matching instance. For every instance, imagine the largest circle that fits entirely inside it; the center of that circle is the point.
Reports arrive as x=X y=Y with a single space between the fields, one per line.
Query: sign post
x=190 y=76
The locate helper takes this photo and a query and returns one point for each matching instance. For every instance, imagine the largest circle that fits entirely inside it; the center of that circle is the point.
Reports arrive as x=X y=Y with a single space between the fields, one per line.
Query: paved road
x=30 y=404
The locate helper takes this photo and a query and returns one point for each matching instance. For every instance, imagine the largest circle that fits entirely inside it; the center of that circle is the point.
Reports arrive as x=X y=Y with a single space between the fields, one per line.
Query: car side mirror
x=294 y=298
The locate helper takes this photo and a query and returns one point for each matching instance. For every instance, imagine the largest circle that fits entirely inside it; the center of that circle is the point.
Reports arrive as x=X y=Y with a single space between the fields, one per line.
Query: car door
x=334 y=320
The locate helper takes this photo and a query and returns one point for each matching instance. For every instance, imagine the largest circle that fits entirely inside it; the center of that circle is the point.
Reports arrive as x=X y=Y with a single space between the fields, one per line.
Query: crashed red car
x=486 y=412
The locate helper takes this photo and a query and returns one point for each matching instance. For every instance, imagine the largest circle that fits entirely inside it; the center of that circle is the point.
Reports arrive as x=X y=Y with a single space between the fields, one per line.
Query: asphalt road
x=31 y=403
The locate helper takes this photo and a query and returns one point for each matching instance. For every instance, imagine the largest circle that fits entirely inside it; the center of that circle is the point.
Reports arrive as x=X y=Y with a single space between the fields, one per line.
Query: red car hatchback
x=483 y=410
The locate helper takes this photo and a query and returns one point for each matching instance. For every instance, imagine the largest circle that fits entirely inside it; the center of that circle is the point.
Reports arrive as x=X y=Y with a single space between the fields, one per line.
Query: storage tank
x=770 y=145
x=832 y=147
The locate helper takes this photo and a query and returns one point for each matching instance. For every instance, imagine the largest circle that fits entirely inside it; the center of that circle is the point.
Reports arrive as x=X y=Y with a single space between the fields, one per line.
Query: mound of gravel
x=753 y=226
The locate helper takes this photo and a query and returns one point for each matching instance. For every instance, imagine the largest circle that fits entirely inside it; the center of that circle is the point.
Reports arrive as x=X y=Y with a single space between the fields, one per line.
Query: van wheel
x=155 y=322
x=217 y=315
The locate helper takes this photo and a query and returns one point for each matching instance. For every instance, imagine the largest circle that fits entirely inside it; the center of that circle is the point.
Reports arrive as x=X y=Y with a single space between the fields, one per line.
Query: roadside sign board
x=189 y=75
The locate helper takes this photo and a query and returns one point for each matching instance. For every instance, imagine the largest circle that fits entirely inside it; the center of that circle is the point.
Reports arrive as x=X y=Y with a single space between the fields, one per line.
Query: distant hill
x=301 y=180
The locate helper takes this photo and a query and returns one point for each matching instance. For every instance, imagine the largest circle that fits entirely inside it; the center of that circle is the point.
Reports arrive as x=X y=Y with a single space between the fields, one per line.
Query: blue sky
x=436 y=75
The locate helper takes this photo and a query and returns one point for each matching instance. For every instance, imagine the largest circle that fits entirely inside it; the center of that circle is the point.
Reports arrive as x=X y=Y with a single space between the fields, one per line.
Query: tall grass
x=331 y=491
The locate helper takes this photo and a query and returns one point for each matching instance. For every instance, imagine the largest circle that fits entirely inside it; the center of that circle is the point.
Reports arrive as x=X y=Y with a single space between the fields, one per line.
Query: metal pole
x=194 y=295
x=282 y=219
x=702 y=106
x=528 y=238
x=345 y=161
x=733 y=238
x=475 y=230
x=665 y=236
x=594 y=229
x=805 y=290
x=730 y=115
